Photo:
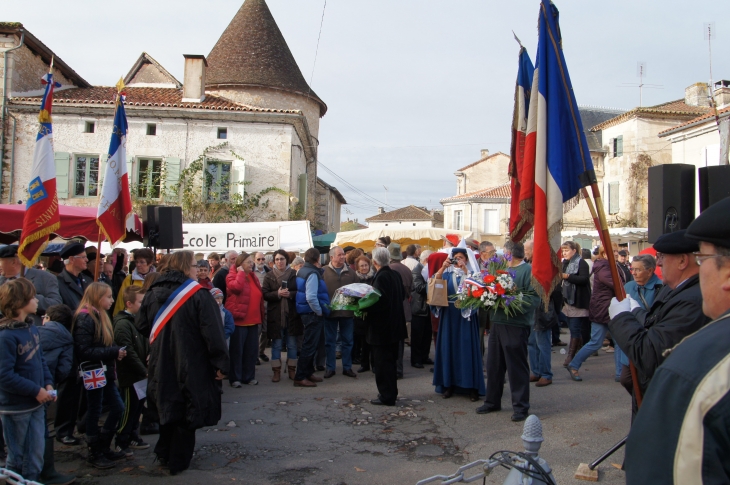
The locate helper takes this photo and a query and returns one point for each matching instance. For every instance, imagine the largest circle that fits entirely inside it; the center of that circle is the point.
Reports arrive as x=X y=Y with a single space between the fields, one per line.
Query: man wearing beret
x=72 y=282
x=675 y=313
x=681 y=434
x=46 y=285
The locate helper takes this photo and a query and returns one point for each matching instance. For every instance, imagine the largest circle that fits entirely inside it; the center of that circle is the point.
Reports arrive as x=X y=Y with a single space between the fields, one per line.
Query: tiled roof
x=482 y=160
x=146 y=97
x=696 y=121
x=503 y=191
x=252 y=52
x=410 y=213
x=673 y=109
x=143 y=59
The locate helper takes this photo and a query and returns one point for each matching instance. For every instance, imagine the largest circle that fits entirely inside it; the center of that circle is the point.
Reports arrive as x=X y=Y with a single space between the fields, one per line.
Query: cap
x=347 y=249
x=713 y=225
x=675 y=243
x=472 y=243
x=394 y=250
x=72 y=249
x=9 y=251
x=453 y=239
x=217 y=293
x=623 y=253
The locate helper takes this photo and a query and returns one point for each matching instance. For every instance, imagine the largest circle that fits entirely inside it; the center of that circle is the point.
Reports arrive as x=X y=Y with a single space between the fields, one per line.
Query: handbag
x=93 y=375
x=437 y=293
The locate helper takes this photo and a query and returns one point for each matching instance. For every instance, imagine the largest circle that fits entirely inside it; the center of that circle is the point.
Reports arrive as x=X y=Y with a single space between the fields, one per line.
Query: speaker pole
x=98 y=256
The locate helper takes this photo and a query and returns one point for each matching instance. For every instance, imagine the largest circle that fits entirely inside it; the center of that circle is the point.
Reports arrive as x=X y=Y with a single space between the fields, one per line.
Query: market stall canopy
x=618 y=234
x=427 y=237
x=325 y=240
x=75 y=222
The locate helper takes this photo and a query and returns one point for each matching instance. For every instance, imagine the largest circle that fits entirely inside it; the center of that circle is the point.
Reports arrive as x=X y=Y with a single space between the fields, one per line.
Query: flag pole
x=98 y=257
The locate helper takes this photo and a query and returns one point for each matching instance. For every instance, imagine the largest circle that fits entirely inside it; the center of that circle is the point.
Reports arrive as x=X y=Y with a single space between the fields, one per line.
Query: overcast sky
x=415 y=88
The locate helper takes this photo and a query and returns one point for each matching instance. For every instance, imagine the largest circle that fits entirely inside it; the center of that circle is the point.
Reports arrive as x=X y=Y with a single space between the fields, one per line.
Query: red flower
x=489 y=279
x=498 y=289
x=477 y=292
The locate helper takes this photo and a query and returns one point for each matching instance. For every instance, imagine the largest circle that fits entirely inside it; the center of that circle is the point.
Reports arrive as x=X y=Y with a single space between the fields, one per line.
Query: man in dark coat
x=675 y=313
x=386 y=327
x=681 y=434
x=407 y=278
x=186 y=358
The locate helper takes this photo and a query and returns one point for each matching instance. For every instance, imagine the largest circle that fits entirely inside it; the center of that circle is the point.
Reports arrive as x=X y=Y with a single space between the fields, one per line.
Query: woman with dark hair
x=350 y=259
x=188 y=355
x=576 y=291
x=383 y=242
x=245 y=301
x=365 y=273
x=280 y=290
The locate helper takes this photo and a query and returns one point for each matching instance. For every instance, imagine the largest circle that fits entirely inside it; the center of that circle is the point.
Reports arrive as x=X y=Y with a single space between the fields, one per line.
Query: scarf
x=280 y=276
x=139 y=277
x=569 y=289
x=367 y=276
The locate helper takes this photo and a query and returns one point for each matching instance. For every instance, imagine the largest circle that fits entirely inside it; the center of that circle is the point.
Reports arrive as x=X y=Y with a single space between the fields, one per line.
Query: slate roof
x=491 y=155
x=145 y=97
x=672 y=109
x=503 y=191
x=252 y=52
x=592 y=116
x=410 y=213
x=722 y=113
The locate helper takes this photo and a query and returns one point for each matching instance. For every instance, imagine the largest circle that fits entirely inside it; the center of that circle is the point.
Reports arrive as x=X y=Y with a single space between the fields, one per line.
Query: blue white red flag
x=521 y=208
x=115 y=206
x=93 y=379
x=556 y=146
x=41 y=216
x=173 y=303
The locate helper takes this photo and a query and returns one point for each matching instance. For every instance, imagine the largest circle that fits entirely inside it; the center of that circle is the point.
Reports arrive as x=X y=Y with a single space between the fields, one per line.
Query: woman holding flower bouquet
x=458 y=366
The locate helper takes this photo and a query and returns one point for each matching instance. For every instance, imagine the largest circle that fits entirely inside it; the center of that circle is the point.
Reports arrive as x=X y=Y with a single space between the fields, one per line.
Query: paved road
x=279 y=434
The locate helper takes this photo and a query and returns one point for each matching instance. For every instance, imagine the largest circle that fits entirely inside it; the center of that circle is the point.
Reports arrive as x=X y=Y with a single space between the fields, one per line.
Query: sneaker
x=117 y=450
x=235 y=384
x=138 y=444
x=610 y=350
x=252 y=382
x=68 y=440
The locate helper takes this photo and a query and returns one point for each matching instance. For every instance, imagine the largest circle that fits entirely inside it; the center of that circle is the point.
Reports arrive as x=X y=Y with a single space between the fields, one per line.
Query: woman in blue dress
x=458 y=367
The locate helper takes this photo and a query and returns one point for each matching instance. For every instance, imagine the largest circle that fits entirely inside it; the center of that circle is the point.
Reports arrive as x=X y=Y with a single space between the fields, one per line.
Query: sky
x=414 y=88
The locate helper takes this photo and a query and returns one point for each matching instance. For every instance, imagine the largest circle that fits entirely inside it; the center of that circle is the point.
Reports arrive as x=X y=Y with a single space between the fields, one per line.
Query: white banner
x=251 y=236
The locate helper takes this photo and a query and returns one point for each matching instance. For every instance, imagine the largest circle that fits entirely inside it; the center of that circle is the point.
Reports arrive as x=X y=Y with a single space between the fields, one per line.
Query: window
x=613 y=207
x=151 y=129
x=218 y=181
x=89 y=127
x=618 y=146
x=491 y=221
x=458 y=220
x=222 y=133
x=86 y=176
x=149 y=178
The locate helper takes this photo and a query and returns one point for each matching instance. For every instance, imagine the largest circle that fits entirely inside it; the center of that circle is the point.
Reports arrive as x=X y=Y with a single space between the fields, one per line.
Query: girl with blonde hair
x=94 y=348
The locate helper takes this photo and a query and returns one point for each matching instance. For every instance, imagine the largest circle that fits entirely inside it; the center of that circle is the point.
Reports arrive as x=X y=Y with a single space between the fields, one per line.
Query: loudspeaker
x=149 y=226
x=714 y=185
x=169 y=225
x=671 y=198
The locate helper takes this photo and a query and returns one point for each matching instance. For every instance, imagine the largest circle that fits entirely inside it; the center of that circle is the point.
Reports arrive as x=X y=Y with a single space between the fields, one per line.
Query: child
x=228 y=325
x=130 y=370
x=204 y=274
x=94 y=344
x=57 y=342
x=25 y=381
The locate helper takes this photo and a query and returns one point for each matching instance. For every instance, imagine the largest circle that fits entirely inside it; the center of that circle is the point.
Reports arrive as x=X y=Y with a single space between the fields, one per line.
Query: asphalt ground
x=275 y=433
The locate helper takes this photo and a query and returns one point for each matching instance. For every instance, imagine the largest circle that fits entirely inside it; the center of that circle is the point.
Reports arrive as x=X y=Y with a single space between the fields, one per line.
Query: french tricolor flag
x=556 y=147
x=115 y=205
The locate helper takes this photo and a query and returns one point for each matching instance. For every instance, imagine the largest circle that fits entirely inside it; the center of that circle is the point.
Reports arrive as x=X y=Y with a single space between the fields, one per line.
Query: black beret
x=72 y=249
x=713 y=225
x=347 y=249
x=9 y=251
x=675 y=243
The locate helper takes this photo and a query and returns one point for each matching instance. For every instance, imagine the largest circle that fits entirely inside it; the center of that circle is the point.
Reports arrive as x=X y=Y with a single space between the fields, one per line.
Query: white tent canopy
x=427 y=237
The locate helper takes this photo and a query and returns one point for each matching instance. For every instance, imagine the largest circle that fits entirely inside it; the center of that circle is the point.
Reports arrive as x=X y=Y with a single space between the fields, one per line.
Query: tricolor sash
x=173 y=303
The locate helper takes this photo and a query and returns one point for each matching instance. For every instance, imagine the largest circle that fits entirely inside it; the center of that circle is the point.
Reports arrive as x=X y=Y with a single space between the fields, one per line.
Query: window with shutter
x=218 y=181
x=172 y=178
x=149 y=178
x=86 y=176
x=63 y=161
x=620 y=146
x=303 y=191
x=613 y=202
x=458 y=220
x=491 y=221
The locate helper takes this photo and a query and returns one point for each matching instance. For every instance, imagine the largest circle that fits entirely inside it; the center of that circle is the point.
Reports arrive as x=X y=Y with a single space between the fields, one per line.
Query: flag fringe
x=106 y=234
x=45 y=232
x=571 y=204
x=527 y=217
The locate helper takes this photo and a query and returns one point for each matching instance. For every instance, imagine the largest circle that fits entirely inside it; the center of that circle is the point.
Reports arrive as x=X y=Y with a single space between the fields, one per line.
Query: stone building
x=328 y=208
x=484 y=212
x=245 y=111
x=488 y=171
x=410 y=216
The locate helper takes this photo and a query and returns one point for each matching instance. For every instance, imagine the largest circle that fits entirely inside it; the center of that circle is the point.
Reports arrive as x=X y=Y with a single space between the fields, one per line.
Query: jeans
x=598 y=333
x=346 y=327
x=575 y=324
x=244 y=352
x=539 y=349
x=291 y=348
x=617 y=354
x=25 y=437
x=312 y=330
x=108 y=395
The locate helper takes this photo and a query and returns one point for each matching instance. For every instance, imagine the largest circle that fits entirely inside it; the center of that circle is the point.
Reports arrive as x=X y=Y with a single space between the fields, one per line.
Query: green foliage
x=349 y=226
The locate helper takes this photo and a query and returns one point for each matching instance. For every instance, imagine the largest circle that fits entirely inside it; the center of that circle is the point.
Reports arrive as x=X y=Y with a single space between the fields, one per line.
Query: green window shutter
x=238 y=177
x=303 y=191
x=103 y=162
x=63 y=162
x=619 y=146
x=613 y=201
x=172 y=178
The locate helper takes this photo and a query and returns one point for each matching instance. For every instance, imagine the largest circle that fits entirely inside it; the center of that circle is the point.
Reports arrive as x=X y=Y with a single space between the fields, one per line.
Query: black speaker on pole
x=149 y=226
x=671 y=198
x=714 y=185
x=169 y=224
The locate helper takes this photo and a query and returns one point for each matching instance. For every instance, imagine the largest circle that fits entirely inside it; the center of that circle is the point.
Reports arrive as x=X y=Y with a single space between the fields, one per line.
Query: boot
x=96 y=456
x=105 y=438
x=572 y=349
x=276 y=367
x=49 y=475
x=292 y=366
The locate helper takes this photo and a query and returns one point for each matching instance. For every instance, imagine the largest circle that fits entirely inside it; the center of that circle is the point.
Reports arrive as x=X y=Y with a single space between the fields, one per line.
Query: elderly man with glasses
x=676 y=312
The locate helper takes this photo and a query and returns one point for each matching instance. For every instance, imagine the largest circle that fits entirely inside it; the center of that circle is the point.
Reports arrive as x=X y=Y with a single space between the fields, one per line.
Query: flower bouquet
x=493 y=288
x=354 y=297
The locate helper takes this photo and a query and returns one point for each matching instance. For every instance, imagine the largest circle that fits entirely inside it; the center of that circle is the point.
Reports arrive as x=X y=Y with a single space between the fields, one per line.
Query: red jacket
x=238 y=297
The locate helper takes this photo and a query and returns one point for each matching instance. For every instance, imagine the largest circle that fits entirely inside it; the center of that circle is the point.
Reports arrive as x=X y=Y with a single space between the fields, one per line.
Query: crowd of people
x=151 y=341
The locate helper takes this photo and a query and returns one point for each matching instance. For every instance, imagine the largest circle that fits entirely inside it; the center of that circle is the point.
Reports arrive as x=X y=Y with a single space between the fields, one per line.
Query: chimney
x=485 y=153
x=194 y=78
x=381 y=210
x=696 y=95
x=722 y=93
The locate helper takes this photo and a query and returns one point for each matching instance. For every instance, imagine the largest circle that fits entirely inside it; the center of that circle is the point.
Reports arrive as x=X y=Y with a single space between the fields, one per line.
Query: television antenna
x=386 y=194
x=641 y=73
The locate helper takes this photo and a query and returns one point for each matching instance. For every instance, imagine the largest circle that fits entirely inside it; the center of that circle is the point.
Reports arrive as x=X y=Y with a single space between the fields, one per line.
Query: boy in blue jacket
x=25 y=381
x=228 y=324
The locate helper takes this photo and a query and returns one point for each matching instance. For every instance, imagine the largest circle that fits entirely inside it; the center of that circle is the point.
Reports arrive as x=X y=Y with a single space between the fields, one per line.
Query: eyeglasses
x=260 y=259
x=699 y=257
x=280 y=259
x=634 y=270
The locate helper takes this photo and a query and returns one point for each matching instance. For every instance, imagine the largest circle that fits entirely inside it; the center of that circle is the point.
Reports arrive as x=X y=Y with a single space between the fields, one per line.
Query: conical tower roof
x=252 y=52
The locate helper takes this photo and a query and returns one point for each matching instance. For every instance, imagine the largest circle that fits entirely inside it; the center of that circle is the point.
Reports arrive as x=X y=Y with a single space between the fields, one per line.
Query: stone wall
x=489 y=173
x=26 y=78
